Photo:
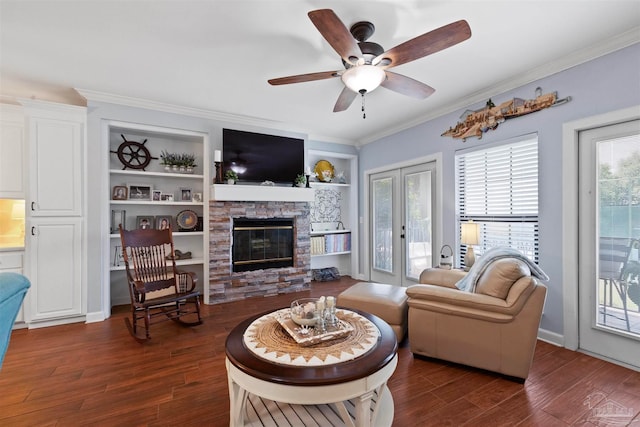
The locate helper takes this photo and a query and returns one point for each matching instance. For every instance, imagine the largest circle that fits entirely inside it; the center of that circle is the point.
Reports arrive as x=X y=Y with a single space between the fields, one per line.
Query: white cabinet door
x=12 y=153
x=54 y=257
x=55 y=152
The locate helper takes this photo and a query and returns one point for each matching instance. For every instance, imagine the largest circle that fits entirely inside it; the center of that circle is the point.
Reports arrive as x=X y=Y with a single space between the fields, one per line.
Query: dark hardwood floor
x=96 y=374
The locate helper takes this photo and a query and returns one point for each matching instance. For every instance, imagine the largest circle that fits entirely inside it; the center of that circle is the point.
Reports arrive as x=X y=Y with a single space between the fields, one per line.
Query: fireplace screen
x=262 y=243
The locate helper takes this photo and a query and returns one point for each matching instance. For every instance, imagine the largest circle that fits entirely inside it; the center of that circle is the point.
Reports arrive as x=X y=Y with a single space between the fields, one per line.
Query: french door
x=401 y=219
x=609 y=236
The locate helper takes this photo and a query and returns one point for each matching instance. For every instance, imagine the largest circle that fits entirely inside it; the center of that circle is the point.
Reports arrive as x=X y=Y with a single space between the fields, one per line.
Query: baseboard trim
x=551 y=337
x=56 y=322
x=96 y=316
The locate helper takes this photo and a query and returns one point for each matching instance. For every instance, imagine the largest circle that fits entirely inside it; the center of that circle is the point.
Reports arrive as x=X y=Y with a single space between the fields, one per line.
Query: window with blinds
x=497 y=187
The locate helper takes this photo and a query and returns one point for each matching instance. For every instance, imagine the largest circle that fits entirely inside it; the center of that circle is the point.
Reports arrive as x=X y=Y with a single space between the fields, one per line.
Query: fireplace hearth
x=262 y=243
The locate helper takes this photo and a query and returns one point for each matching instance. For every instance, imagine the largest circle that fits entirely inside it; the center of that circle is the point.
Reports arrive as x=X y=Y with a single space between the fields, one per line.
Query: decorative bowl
x=303 y=311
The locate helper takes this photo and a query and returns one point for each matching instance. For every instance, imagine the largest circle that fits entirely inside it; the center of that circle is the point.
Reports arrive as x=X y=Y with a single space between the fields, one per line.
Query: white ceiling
x=218 y=55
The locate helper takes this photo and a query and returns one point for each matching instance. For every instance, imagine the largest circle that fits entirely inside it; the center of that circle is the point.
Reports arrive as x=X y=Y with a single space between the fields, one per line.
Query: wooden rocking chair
x=156 y=286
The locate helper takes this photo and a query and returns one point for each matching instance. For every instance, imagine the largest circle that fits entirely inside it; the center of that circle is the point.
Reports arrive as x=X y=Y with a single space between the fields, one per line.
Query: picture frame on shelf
x=185 y=195
x=118 y=217
x=166 y=197
x=163 y=222
x=140 y=192
x=118 y=258
x=197 y=197
x=120 y=192
x=157 y=194
x=144 y=222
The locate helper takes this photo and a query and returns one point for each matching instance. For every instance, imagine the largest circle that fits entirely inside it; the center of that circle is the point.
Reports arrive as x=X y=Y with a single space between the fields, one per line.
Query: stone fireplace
x=225 y=284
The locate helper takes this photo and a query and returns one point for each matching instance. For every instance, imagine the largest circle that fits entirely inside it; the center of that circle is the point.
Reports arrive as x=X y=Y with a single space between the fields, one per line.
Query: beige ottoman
x=388 y=302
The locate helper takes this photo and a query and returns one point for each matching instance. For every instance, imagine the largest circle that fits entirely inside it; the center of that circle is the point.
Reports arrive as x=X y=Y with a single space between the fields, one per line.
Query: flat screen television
x=258 y=157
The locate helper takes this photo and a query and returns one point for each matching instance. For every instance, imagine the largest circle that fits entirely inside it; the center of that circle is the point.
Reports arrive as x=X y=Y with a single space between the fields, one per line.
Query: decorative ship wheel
x=133 y=154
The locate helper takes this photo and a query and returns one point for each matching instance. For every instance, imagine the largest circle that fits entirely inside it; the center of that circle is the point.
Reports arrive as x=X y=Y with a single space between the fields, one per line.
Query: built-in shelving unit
x=334 y=214
x=162 y=182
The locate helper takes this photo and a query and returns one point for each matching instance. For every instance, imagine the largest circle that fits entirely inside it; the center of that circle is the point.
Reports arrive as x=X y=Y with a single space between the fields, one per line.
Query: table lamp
x=469 y=235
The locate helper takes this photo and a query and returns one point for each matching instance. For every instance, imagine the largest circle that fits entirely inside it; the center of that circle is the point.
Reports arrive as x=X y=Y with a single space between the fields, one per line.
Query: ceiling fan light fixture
x=363 y=78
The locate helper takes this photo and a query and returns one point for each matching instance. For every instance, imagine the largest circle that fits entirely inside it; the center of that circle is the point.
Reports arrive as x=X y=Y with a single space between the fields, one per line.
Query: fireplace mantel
x=260 y=193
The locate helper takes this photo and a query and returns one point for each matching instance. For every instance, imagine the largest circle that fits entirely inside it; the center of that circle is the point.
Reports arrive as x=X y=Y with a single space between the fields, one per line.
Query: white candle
x=217 y=156
x=331 y=302
x=308 y=171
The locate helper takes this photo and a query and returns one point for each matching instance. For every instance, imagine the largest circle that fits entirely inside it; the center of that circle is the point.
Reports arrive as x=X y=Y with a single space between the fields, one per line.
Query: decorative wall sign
x=476 y=122
x=326 y=206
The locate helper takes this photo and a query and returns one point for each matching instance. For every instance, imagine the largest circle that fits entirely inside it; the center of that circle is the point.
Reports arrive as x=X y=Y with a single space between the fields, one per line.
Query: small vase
x=231 y=181
x=183 y=169
x=300 y=184
x=167 y=168
x=175 y=168
x=189 y=169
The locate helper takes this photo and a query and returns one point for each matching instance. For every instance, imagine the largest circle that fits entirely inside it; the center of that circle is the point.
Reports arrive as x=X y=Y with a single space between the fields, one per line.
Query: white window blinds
x=497 y=187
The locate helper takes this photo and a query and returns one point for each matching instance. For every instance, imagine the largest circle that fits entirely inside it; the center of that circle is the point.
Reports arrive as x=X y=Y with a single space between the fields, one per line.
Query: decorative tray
x=309 y=336
x=324 y=170
x=187 y=220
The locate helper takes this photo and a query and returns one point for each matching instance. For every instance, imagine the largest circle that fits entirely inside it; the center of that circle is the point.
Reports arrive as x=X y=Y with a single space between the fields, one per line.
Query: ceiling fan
x=367 y=63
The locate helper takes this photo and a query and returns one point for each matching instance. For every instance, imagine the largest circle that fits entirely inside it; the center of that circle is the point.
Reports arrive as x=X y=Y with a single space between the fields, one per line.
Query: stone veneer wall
x=224 y=284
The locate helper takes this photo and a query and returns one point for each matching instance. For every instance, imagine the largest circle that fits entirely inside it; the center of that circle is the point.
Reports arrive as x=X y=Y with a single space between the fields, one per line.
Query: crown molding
x=129 y=101
x=563 y=63
x=97 y=96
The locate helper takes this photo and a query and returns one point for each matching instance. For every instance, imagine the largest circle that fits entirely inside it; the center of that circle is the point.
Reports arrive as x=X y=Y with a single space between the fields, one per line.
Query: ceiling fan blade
x=426 y=44
x=344 y=100
x=338 y=36
x=300 y=78
x=406 y=86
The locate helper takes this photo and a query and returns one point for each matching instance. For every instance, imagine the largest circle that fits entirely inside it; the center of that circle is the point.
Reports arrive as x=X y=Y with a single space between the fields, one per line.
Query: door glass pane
x=417 y=223
x=619 y=233
x=382 y=224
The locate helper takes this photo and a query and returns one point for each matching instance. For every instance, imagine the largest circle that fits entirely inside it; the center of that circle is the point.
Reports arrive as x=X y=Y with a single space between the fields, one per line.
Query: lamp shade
x=363 y=77
x=469 y=233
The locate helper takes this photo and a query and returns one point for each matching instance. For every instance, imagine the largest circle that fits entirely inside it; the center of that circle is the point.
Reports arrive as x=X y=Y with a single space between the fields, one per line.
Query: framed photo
x=166 y=197
x=144 y=222
x=164 y=222
x=156 y=195
x=185 y=194
x=118 y=217
x=197 y=197
x=120 y=192
x=118 y=258
x=139 y=192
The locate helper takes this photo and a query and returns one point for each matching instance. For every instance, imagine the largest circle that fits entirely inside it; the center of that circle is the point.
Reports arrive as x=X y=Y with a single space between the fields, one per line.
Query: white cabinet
x=55 y=251
x=12 y=152
x=54 y=260
x=156 y=194
x=334 y=216
x=55 y=163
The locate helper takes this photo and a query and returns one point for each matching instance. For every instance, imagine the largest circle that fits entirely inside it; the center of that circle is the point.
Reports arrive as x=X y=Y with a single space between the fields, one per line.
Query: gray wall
x=606 y=84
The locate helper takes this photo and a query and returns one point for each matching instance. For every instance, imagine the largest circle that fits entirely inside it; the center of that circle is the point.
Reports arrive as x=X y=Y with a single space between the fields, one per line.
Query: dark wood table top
x=360 y=367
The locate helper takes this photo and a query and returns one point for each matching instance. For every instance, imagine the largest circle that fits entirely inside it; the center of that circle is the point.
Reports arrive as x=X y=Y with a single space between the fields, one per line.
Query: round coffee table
x=362 y=380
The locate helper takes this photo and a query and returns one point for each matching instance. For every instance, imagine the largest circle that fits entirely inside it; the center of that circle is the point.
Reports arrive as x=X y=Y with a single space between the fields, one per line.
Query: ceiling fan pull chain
x=364 y=115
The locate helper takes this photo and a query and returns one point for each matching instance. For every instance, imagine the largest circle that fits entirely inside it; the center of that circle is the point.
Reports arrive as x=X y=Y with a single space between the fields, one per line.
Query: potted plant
x=189 y=162
x=231 y=176
x=300 y=180
x=168 y=160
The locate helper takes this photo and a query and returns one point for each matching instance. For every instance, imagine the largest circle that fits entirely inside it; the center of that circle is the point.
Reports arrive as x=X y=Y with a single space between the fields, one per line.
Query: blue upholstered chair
x=13 y=288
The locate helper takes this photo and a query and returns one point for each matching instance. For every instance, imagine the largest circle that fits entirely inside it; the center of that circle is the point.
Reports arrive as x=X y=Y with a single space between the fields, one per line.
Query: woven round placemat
x=266 y=338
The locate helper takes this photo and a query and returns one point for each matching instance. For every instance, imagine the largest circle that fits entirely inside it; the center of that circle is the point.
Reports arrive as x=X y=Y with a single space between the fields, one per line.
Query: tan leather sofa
x=494 y=327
